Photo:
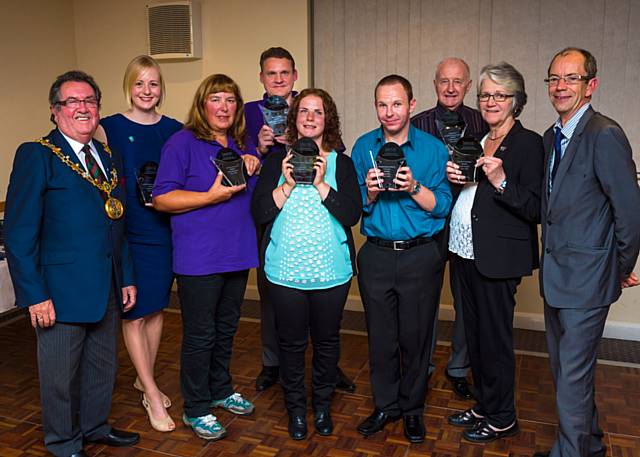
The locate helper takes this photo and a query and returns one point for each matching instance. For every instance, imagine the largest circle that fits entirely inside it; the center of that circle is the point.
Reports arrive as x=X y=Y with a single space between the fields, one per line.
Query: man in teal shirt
x=400 y=263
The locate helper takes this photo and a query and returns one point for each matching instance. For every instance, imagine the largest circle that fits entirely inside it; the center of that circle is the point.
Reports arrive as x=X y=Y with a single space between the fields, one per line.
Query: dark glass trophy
x=389 y=160
x=145 y=177
x=274 y=113
x=305 y=152
x=451 y=128
x=231 y=165
x=465 y=154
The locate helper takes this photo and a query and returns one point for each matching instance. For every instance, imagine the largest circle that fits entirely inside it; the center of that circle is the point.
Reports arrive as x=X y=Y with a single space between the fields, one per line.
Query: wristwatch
x=500 y=189
x=416 y=189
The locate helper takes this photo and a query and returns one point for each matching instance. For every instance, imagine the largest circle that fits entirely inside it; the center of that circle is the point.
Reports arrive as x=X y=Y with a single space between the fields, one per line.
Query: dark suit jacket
x=591 y=220
x=60 y=243
x=505 y=237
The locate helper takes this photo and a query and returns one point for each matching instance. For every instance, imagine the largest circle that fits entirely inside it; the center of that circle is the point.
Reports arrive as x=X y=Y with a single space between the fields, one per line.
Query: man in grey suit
x=590 y=241
x=70 y=266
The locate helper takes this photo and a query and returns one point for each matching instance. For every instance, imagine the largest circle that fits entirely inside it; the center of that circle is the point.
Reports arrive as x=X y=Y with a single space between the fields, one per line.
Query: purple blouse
x=213 y=239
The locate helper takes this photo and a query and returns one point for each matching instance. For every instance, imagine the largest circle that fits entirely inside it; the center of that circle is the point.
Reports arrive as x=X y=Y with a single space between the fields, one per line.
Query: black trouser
x=400 y=292
x=210 y=312
x=298 y=313
x=488 y=307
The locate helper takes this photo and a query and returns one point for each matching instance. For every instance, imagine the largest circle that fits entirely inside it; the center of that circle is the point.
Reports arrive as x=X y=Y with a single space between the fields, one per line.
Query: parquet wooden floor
x=265 y=432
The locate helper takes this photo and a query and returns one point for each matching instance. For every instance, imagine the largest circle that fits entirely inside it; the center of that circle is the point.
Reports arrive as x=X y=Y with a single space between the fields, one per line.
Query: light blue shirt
x=567 y=132
x=395 y=215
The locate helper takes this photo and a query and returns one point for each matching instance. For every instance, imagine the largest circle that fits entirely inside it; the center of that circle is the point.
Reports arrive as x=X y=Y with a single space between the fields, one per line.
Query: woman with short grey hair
x=493 y=243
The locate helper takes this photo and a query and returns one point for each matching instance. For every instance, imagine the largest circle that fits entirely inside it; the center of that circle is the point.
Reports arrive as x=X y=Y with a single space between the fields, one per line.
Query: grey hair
x=505 y=75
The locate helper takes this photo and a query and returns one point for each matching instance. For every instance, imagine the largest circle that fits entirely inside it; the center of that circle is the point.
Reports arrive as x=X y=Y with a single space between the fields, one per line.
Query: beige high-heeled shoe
x=166 y=401
x=161 y=425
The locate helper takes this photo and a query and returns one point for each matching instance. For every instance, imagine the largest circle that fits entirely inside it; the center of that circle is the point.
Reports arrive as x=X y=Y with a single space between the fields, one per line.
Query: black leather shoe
x=414 y=428
x=297 y=427
x=483 y=433
x=117 y=438
x=344 y=383
x=460 y=387
x=464 y=419
x=79 y=454
x=323 y=423
x=375 y=422
x=542 y=454
x=267 y=377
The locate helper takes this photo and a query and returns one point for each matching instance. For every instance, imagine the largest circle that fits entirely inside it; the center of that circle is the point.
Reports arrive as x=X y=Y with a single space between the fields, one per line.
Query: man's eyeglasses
x=71 y=102
x=569 y=80
x=497 y=97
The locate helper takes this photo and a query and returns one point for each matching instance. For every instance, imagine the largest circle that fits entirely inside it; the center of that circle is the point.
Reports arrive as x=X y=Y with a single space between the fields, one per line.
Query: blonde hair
x=197 y=118
x=132 y=73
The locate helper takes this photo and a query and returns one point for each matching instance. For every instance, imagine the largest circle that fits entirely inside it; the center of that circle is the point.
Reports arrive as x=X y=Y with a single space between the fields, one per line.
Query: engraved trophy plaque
x=274 y=113
x=389 y=160
x=451 y=128
x=145 y=177
x=465 y=154
x=231 y=165
x=305 y=152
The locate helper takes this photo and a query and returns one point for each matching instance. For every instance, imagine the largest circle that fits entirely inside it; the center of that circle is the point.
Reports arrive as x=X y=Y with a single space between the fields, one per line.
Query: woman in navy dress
x=139 y=135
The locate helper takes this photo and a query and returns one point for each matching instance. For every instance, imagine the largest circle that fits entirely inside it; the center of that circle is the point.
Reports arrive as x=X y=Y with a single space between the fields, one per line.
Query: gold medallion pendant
x=114 y=208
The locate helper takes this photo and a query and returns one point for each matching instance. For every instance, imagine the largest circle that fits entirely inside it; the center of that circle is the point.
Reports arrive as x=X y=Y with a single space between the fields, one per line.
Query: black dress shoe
x=375 y=422
x=344 y=383
x=79 y=454
x=542 y=454
x=483 y=433
x=297 y=427
x=414 y=428
x=323 y=423
x=267 y=377
x=460 y=387
x=117 y=438
x=466 y=419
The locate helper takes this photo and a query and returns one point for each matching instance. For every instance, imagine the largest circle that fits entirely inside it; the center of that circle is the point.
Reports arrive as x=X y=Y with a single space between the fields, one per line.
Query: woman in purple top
x=214 y=246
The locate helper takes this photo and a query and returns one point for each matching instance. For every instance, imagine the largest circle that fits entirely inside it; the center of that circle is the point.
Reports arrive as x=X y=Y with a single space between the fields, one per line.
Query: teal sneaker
x=206 y=427
x=235 y=404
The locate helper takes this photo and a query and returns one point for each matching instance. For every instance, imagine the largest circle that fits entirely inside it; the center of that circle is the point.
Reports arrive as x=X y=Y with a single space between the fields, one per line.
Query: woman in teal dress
x=308 y=255
x=139 y=134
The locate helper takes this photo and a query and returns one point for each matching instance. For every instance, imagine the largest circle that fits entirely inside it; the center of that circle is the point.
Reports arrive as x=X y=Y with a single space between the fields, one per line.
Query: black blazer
x=504 y=227
x=345 y=203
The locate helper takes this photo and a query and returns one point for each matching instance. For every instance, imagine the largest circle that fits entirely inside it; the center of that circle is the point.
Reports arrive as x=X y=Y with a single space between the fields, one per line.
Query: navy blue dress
x=148 y=231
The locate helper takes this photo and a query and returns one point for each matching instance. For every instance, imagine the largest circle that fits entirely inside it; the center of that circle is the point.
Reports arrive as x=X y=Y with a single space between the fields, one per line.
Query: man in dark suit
x=70 y=266
x=590 y=241
x=452 y=83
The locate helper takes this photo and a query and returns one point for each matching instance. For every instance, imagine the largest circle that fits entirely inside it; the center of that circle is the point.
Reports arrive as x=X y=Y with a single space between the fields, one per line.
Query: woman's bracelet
x=283 y=192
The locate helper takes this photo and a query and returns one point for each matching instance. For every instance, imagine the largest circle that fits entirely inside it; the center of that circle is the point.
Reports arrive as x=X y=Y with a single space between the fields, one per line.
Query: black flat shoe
x=344 y=383
x=483 y=433
x=297 y=427
x=375 y=422
x=79 y=454
x=460 y=387
x=267 y=377
x=542 y=454
x=117 y=438
x=464 y=419
x=414 y=428
x=323 y=423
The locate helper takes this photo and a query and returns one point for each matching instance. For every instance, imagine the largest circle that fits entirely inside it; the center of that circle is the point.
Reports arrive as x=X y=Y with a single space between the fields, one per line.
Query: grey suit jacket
x=591 y=219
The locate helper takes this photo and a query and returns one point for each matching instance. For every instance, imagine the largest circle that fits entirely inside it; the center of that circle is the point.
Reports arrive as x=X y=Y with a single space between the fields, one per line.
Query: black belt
x=399 y=245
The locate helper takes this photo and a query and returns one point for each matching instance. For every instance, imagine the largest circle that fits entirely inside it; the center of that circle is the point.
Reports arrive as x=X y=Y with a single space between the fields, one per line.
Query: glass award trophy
x=305 y=152
x=231 y=165
x=465 y=154
x=451 y=128
x=274 y=113
x=389 y=160
x=145 y=177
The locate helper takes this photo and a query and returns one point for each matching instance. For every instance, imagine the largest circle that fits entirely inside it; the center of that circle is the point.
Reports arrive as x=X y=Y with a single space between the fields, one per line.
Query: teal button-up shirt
x=395 y=215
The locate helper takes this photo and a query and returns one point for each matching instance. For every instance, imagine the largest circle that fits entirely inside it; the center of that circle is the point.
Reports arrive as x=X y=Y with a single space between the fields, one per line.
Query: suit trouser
x=400 y=295
x=268 y=333
x=488 y=306
x=210 y=313
x=298 y=313
x=573 y=335
x=77 y=366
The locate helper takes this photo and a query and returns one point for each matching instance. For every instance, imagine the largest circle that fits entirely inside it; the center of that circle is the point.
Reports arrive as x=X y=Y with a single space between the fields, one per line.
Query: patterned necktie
x=557 y=156
x=92 y=165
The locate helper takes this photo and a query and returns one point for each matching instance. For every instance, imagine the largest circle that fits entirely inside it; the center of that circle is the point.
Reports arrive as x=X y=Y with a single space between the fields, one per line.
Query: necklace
x=498 y=137
x=112 y=206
